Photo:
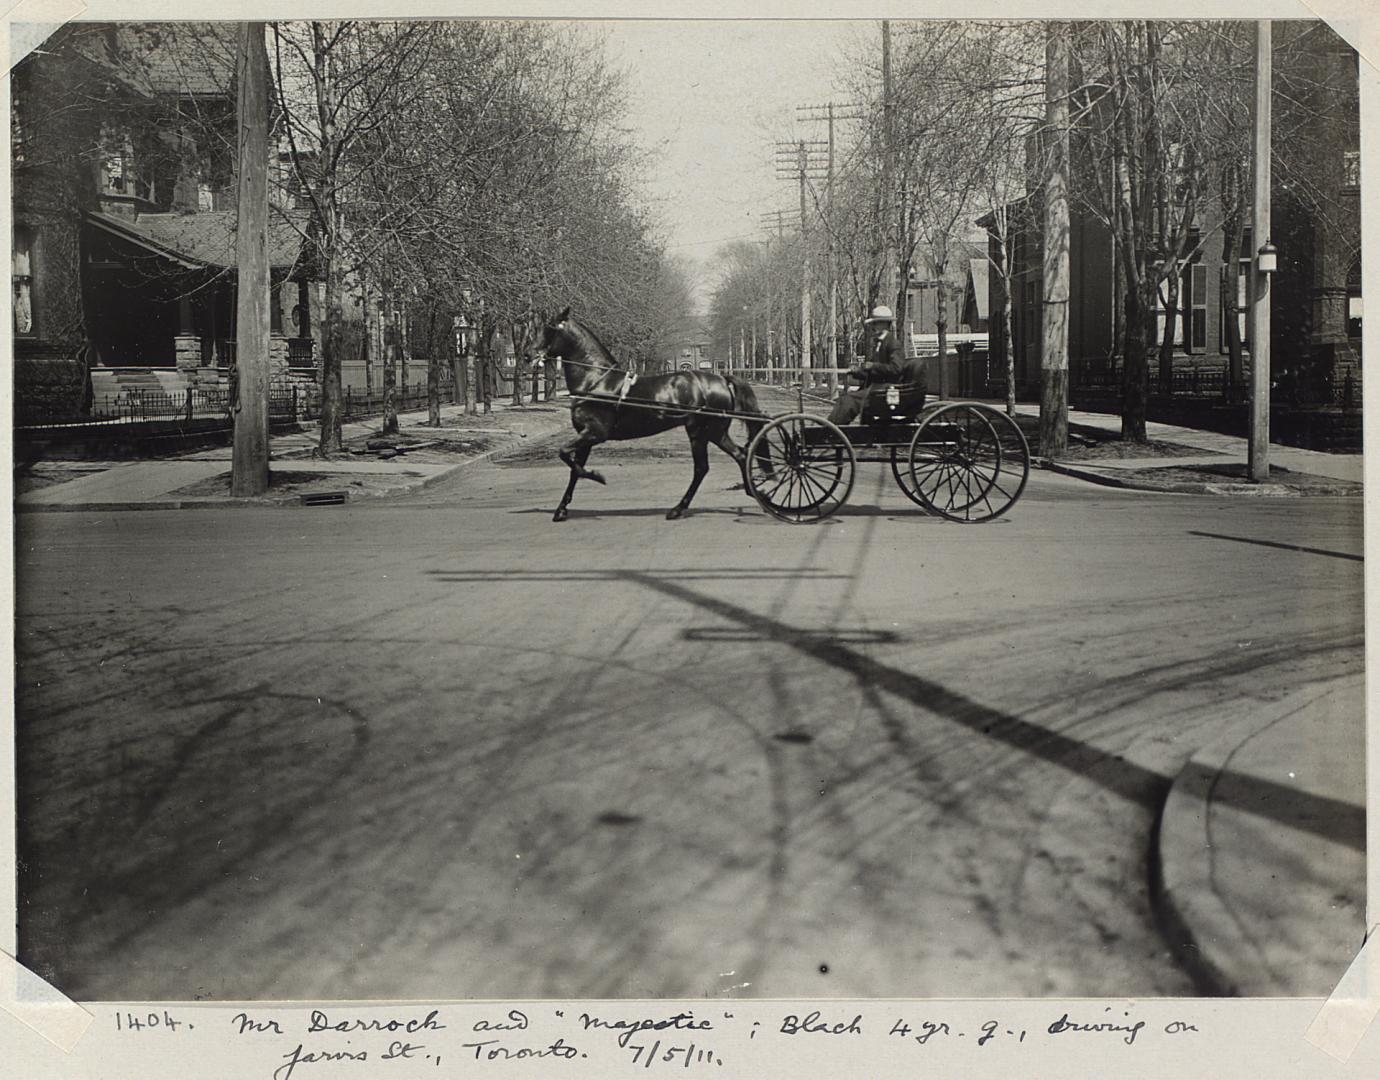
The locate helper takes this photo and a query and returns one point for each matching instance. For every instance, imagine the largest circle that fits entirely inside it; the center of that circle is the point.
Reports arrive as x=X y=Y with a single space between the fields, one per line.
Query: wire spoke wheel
x=800 y=468
x=967 y=463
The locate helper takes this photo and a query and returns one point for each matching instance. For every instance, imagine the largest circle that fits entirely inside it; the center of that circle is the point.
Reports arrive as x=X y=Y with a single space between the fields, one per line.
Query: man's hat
x=880 y=313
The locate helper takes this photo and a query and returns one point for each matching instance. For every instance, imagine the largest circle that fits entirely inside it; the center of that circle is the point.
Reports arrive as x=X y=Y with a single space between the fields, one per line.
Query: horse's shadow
x=641 y=511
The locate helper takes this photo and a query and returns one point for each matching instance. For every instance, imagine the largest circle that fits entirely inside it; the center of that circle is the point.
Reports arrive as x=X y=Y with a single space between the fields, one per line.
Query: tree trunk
x=1135 y=372
x=433 y=371
x=518 y=336
x=484 y=367
x=1231 y=243
x=1171 y=321
x=941 y=326
x=323 y=73
x=389 y=333
x=249 y=463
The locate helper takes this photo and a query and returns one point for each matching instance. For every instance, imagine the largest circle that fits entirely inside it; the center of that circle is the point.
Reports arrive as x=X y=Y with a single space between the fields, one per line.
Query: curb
x=1200 y=927
x=1191 y=917
x=243 y=504
x=1273 y=491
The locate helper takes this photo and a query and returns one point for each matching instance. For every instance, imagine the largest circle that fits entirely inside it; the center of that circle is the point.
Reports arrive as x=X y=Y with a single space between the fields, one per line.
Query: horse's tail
x=745 y=405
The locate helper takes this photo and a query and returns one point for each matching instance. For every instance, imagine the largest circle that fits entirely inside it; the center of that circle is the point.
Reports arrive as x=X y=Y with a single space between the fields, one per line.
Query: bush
x=50 y=390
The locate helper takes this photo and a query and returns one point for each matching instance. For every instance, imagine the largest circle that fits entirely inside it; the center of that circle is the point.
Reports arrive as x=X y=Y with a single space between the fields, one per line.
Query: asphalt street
x=439 y=746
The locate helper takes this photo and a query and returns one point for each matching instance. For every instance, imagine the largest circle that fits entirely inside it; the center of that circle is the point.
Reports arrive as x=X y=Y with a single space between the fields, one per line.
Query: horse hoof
x=560 y=515
x=674 y=513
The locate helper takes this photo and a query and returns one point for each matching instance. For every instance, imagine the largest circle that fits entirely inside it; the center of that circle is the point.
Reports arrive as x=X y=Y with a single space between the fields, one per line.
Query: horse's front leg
x=575 y=454
x=699 y=450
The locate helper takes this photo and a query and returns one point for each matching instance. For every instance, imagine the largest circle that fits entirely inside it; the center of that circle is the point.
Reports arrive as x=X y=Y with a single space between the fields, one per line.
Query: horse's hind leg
x=724 y=442
x=699 y=450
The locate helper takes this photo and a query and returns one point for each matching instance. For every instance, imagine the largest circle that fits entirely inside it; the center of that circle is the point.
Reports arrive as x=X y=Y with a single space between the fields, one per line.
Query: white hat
x=880 y=313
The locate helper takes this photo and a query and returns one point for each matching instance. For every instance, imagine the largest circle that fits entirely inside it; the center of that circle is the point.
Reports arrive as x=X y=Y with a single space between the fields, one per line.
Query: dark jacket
x=886 y=359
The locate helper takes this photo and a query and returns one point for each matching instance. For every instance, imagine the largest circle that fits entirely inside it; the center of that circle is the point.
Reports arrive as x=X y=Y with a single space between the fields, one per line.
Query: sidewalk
x=1261 y=855
x=1218 y=450
x=1260 y=869
x=153 y=484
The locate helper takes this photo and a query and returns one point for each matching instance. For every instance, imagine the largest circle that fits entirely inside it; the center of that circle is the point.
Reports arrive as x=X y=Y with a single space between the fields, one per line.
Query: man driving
x=885 y=363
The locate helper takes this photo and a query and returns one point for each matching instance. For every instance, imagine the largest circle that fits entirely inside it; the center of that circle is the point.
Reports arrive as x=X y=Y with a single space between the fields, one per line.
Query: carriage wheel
x=968 y=463
x=800 y=468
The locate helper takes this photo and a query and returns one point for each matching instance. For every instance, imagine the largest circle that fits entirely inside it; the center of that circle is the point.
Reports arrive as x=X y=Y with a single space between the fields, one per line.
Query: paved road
x=441 y=747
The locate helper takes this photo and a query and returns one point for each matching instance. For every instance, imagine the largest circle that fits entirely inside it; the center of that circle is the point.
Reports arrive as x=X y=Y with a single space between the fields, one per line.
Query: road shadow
x=1278 y=544
x=1134 y=783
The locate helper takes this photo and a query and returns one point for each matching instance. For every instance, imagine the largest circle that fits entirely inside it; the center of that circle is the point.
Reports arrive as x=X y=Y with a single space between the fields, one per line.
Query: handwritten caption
x=323 y=1042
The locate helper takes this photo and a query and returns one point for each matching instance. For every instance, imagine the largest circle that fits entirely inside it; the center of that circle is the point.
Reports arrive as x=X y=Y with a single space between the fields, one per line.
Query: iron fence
x=1288 y=388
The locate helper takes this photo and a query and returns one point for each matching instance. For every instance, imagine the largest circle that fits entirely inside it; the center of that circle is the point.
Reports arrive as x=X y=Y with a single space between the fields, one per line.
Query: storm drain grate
x=324 y=498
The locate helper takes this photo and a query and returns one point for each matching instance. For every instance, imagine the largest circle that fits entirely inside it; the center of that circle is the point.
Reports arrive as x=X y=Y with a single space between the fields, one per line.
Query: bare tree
x=336 y=83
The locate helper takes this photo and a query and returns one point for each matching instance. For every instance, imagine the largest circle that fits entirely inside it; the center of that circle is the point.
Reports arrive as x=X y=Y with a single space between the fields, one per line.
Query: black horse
x=611 y=403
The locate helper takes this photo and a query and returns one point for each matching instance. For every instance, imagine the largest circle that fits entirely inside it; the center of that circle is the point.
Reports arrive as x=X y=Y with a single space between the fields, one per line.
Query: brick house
x=1315 y=296
x=123 y=256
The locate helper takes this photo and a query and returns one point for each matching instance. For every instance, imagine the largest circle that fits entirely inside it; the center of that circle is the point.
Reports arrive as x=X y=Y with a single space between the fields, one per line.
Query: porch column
x=186 y=343
x=277 y=342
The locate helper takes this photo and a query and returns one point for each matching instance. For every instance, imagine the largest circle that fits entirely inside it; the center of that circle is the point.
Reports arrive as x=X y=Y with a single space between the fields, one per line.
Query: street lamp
x=1267 y=258
x=461 y=376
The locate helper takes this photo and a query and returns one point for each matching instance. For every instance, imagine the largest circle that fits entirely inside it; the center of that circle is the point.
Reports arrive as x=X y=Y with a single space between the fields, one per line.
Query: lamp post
x=460 y=378
x=1258 y=454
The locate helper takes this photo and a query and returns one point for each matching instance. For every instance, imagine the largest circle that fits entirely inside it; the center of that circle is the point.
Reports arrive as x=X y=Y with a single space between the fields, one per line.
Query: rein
x=620 y=399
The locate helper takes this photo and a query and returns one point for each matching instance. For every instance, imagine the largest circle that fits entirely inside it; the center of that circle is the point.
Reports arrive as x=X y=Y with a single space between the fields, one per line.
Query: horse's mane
x=588 y=338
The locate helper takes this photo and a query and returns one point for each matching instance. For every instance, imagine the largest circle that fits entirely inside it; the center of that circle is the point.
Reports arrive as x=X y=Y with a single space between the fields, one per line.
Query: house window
x=21 y=275
x=1162 y=315
x=1351 y=168
x=1353 y=299
x=117 y=172
x=1243 y=286
x=1196 y=305
x=17 y=130
x=205 y=197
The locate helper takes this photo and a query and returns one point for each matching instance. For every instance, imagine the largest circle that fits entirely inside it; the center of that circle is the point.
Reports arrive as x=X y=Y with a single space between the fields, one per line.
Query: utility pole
x=1258 y=456
x=249 y=456
x=1054 y=371
x=777 y=219
x=892 y=256
x=829 y=112
x=806 y=322
x=829 y=265
x=801 y=161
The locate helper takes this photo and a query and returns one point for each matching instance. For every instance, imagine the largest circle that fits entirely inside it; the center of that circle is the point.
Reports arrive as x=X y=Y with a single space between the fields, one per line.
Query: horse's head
x=558 y=341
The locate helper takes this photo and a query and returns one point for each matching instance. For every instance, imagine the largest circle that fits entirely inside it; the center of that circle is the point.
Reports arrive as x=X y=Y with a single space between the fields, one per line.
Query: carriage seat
x=910 y=393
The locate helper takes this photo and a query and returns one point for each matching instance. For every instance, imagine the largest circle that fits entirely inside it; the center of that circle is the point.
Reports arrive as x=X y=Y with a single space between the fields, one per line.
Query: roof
x=178 y=58
x=205 y=239
x=155 y=59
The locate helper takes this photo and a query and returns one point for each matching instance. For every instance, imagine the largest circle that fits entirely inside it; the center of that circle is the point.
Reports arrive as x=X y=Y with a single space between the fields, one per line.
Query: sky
x=711 y=98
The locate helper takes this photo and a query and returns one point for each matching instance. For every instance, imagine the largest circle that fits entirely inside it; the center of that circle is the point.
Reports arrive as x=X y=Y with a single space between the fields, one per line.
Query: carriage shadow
x=639 y=511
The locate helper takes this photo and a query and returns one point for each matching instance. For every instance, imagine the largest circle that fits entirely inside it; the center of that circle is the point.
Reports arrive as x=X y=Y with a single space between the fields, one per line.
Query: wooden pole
x=833 y=361
x=249 y=459
x=891 y=283
x=1258 y=455
x=806 y=327
x=1054 y=370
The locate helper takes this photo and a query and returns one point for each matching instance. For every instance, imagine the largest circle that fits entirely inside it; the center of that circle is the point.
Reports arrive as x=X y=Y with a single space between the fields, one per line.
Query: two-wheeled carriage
x=964 y=461
x=961 y=460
